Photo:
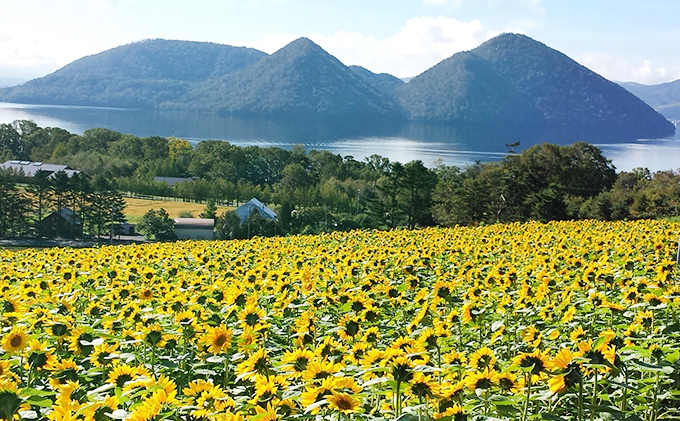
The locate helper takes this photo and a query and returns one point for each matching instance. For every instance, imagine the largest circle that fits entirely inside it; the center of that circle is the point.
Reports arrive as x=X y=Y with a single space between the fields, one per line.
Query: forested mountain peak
x=515 y=80
x=143 y=74
x=165 y=59
x=300 y=79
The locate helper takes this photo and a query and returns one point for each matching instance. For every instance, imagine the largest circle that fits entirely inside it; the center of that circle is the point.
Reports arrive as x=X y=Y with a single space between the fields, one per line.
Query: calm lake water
x=430 y=143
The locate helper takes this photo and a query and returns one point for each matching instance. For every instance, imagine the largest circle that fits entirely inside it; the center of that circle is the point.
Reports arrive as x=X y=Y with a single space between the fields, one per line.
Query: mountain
x=665 y=97
x=384 y=82
x=299 y=80
x=144 y=74
x=510 y=83
x=518 y=82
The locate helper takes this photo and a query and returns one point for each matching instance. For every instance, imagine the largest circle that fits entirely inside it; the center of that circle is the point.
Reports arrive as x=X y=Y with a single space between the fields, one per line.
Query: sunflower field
x=559 y=321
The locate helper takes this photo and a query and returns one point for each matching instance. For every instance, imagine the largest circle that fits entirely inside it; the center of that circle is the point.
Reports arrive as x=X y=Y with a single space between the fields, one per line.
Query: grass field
x=136 y=208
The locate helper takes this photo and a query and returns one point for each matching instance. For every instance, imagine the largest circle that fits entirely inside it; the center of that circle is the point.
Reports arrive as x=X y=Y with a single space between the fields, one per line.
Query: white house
x=195 y=228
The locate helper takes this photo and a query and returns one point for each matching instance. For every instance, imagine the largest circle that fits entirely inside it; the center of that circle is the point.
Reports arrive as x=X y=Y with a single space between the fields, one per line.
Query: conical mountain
x=144 y=74
x=299 y=80
x=515 y=81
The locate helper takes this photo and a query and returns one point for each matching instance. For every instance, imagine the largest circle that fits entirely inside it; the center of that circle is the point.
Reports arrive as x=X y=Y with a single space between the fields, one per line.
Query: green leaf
x=40 y=401
x=651 y=367
x=262 y=415
x=626 y=386
x=552 y=417
x=315 y=405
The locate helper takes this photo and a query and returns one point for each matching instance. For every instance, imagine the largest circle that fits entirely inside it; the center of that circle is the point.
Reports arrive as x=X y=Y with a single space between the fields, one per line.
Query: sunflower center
x=344 y=404
x=537 y=364
x=16 y=341
x=221 y=340
x=122 y=379
x=252 y=319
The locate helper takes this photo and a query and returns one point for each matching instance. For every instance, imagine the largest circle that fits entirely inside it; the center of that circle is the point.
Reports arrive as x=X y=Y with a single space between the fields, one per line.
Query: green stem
x=594 y=397
x=526 y=402
x=226 y=368
x=624 y=397
x=580 y=400
x=656 y=395
x=153 y=359
x=397 y=410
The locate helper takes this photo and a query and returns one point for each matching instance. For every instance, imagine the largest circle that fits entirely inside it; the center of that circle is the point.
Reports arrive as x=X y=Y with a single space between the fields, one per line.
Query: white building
x=195 y=228
x=29 y=168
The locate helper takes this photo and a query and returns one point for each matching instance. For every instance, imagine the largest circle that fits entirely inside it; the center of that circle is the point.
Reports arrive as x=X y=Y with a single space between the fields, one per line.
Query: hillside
x=301 y=79
x=514 y=80
x=664 y=97
x=384 y=82
x=144 y=74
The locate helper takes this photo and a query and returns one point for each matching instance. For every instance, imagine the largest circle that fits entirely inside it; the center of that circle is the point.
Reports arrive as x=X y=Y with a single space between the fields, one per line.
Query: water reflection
x=400 y=141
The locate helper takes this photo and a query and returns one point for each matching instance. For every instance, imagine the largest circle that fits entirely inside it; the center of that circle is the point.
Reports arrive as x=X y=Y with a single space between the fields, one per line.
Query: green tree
x=228 y=226
x=210 y=211
x=40 y=188
x=417 y=183
x=158 y=225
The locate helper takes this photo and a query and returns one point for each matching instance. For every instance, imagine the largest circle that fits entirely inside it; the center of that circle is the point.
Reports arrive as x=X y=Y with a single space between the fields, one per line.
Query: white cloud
x=421 y=43
x=533 y=5
x=623 y=71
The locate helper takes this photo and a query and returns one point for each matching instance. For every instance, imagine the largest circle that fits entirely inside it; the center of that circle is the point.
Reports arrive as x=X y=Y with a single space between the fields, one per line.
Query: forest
x=317 y=191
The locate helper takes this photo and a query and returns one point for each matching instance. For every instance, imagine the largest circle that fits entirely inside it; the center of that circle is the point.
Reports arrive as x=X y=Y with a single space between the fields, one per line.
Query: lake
x=403 y=142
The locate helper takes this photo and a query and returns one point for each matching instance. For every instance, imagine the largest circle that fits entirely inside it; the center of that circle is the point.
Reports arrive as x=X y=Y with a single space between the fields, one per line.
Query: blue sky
x=623 y=40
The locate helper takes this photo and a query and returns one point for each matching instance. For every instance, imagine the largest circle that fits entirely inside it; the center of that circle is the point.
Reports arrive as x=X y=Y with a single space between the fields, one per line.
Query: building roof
x=195 y=223
x=254 y=205
x=29 y=168
x=67 y=215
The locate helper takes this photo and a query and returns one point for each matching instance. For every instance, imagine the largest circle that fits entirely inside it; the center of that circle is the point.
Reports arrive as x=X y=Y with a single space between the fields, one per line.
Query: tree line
x=315 y=191
x=90 y=206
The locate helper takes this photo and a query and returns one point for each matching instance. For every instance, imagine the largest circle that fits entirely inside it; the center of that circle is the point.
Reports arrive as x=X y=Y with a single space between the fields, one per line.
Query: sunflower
x=349 y=328
x=256 y=363
x=531 y=336
x=565 y=363
x=252 y=316
x=10 y=401
x=482 y=379
x=401 y=369
x=316 y=371
x=39 y=357
x=210 y=402
x=344 y=403
x=602 y=355
x=218 y=339
x=297 y=360
x=310 y=396
x=534 y=363
x=371 y=335
x=454 y=412
x=99 y=410
x=577 y=334
x=455 y=358
x=482 y=359
x=423 y=386
x=104 y=355
x=15 y=340
x=266 y=390
x=508 y=382
x=122 y=374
